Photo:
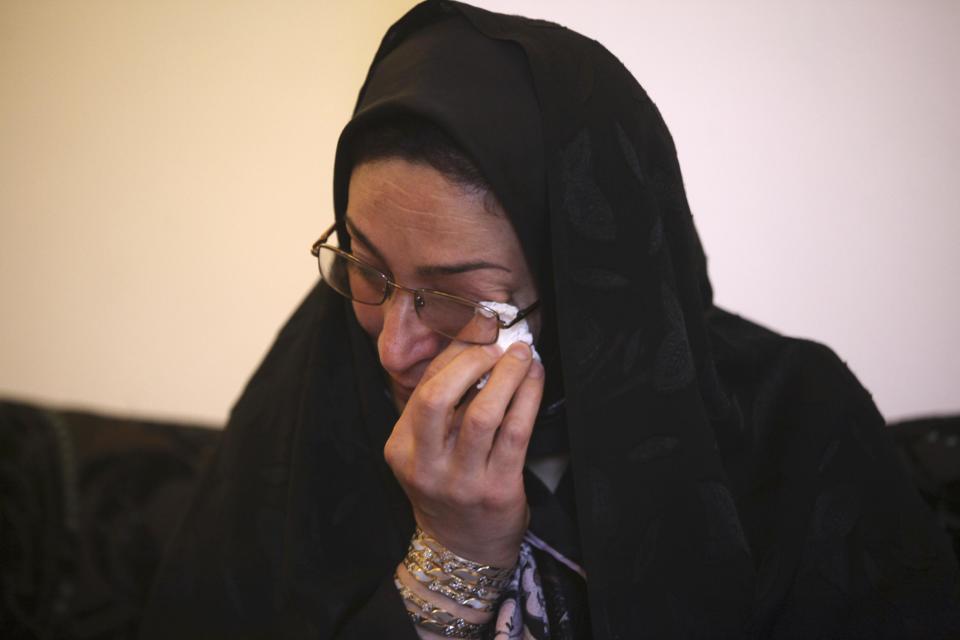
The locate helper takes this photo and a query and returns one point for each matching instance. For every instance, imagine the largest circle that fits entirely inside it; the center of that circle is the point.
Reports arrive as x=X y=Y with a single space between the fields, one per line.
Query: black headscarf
x=729 y=482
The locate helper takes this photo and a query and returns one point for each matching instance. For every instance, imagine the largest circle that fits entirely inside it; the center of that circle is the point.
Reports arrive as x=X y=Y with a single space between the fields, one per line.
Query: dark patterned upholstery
x=930 y=448
x=87 y=503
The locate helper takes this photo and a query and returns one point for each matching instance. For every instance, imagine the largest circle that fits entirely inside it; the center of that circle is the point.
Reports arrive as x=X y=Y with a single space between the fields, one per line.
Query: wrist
x=447 y=594
x=477 y=543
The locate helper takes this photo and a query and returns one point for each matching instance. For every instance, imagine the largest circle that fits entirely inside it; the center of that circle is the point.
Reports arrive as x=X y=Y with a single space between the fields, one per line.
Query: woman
x=670 y=470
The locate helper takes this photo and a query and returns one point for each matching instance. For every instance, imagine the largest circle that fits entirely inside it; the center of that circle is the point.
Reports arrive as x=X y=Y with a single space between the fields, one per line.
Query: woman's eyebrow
x=362 y=237
x=427 y=271
x=459 y=267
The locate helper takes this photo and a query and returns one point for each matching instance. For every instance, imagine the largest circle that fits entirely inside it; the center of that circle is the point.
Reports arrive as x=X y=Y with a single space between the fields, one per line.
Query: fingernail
x=519 y=350
x=536 y=370
x=493 y=349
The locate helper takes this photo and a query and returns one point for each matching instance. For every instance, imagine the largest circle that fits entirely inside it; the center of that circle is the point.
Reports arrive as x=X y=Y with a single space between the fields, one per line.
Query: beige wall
x=164 y=167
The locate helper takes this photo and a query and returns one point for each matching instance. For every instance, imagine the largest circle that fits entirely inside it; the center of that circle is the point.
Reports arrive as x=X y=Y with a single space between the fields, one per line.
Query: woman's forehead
x=395 y=201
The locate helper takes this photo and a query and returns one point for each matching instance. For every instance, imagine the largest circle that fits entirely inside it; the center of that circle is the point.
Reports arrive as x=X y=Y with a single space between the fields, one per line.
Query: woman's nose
x=404 y=340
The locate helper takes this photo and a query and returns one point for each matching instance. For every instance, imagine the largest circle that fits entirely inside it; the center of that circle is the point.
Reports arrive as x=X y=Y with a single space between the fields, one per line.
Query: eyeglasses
x=449 y=315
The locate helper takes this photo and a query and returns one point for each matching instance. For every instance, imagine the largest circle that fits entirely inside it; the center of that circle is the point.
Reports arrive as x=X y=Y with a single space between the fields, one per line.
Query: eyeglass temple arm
x=523 y=313
x=315 y=249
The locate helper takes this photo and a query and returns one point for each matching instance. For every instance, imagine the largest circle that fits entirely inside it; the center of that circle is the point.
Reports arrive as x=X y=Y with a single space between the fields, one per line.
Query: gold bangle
x=479 y=598
x=464 y=581
x=432 y=618
x=458 y=565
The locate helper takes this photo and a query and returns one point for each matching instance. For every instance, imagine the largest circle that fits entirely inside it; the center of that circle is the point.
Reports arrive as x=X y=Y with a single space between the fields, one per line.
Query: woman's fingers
x=444 y=358
x=510 y=445
x=485 y=413
x=434 y=401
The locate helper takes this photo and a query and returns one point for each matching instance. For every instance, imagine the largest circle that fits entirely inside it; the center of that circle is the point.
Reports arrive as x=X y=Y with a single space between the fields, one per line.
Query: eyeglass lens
x=448 y=316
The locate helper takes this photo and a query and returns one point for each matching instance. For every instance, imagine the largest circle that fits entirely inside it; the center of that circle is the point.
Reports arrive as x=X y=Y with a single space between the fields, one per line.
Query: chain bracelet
x=432 y=618
x=480 y=598
x=468 y=583
x=459 y=566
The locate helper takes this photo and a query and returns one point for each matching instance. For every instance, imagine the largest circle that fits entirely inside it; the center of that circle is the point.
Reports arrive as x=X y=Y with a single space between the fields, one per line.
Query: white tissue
x=519 y=332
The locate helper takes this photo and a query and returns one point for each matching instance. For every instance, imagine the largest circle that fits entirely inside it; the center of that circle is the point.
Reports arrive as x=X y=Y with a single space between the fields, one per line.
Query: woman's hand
x=459 y=453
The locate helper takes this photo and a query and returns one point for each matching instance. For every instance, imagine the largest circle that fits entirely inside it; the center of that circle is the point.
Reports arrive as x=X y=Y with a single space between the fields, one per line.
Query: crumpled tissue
x=519 y=332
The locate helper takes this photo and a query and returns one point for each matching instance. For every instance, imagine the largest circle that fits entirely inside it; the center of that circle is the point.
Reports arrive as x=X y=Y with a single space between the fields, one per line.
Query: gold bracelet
x=459 y=566
x=479 y=598
x=432 y=618
x=466 y=582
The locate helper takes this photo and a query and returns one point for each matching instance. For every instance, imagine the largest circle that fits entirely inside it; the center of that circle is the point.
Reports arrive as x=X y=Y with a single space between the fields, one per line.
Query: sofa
x=87 y=503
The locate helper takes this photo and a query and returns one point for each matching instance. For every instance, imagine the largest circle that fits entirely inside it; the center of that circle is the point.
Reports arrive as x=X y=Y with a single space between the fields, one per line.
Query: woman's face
x=426 y=231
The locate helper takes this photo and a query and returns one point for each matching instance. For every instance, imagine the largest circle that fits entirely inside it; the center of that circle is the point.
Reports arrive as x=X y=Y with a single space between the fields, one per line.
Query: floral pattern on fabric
x=523 y=613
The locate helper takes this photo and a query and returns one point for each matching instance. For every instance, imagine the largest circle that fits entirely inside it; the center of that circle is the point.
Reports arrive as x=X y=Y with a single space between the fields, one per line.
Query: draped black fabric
x=728 y=481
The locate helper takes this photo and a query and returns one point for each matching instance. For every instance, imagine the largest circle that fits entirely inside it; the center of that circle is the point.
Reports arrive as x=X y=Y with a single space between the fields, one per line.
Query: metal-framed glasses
x=447 y=314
